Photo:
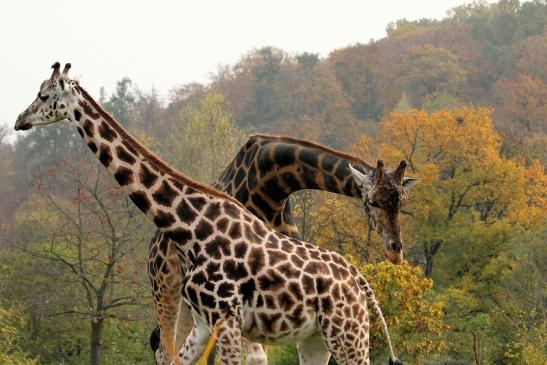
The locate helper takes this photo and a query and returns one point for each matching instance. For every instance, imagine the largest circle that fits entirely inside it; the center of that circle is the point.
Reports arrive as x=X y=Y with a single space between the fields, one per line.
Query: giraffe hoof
x=395 y=361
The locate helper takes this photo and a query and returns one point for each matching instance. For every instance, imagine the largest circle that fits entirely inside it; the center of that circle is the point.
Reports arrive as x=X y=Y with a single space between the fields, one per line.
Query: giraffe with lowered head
x=263 y=174
x=241 y=275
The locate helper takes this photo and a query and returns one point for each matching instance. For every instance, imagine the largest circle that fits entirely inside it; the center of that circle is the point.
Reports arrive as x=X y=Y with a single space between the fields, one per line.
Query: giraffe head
x=53 y=103
x=384 y=193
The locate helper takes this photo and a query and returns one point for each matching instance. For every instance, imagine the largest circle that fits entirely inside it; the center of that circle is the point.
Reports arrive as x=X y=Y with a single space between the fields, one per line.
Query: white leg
x=195 y=342
x=255 y=353
x=312 y=351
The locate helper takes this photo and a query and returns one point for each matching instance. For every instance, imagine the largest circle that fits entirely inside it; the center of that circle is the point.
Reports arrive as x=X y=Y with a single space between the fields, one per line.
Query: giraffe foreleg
x=195 y=342
x=229 y=342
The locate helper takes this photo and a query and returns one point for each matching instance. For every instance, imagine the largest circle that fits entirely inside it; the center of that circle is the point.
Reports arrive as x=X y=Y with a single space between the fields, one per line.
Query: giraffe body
x=262 y=176
x=240 y=274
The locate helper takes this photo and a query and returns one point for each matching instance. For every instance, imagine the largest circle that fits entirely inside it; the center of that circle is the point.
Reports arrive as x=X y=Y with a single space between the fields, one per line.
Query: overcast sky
x=162 y=43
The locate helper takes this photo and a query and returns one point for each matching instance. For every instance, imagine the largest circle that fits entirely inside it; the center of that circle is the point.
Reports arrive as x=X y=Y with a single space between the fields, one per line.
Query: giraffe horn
x=56 y=66
x=399 y=173
x=66 y=69
x=379 y=169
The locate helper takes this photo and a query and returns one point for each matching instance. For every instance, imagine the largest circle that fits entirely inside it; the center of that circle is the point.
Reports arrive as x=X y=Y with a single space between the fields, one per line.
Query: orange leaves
x=456 y=153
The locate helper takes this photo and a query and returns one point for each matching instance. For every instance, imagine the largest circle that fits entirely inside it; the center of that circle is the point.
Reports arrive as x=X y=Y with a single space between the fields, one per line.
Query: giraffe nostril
x=396 y=246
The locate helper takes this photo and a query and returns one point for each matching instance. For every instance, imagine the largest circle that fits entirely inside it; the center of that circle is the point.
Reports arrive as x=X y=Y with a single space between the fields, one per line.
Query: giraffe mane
x=151 y=157
x=318 y=146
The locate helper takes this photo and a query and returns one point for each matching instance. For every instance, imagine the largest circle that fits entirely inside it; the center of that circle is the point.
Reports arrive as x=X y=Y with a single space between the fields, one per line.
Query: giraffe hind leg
x=347 y=338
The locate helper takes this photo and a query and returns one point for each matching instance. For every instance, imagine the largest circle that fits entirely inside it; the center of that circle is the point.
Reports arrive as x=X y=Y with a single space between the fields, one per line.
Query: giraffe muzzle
x=396 y=246
x=22 y=124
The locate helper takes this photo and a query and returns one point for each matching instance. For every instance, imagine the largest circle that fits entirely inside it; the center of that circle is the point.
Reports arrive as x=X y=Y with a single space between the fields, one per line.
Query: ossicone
x=379 y=169
x=399 y=172
x=56 y=66
x=66 y=69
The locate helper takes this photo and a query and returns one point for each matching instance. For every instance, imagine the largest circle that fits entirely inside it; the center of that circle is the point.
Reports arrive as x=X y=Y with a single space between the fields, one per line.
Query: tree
x=88 y=233
x=314 y=97
x=520 y=298
x=521 y=113
x=148 y=110
x=121 y=103
x=357 y=70
x=431 y=73
x=521 y=104
x=205 y=138
x=415 y=320
x=264 y=106
x=465 y=183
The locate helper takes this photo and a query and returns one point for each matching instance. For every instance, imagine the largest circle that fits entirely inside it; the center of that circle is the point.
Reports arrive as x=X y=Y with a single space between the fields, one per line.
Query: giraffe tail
x=372 y=298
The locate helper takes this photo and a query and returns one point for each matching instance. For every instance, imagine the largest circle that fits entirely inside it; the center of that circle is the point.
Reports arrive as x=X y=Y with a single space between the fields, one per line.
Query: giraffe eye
x=42 y=97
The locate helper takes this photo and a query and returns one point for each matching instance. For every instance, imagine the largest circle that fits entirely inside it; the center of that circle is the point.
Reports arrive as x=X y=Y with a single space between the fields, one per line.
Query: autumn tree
x=521 y=113
x=464 y=180
x=88 y=233
x=314 y=98
x=414 y=318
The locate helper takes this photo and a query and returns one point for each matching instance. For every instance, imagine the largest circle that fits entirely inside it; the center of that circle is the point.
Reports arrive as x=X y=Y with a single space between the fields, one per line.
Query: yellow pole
x=210 y=344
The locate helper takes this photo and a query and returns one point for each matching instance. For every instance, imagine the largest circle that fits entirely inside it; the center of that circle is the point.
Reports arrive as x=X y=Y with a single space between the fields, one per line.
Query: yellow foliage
x=456 y=154
x=415 y=320
x=10 y=351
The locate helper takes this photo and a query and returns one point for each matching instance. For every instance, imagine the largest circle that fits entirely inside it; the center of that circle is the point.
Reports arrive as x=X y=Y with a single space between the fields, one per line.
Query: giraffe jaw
x=25 y=124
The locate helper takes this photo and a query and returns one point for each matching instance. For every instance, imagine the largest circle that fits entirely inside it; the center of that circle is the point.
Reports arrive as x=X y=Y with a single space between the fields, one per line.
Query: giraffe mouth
x=22 y=126
x=395 y=258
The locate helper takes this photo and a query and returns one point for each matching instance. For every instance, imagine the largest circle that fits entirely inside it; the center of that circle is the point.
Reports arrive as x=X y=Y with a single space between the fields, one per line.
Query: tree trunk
x=430 y=250
x=428 y=265
x=97 y=326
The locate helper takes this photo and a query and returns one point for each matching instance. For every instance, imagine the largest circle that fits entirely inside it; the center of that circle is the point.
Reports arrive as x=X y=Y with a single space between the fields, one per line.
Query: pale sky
x=163 y=43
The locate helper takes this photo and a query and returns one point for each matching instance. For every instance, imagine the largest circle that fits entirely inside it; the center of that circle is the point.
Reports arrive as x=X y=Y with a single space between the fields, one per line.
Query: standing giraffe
x=242 y=277
x=262 y=176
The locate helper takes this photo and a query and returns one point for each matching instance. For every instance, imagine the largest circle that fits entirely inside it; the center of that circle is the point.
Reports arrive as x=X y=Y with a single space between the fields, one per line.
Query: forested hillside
x=463 y=100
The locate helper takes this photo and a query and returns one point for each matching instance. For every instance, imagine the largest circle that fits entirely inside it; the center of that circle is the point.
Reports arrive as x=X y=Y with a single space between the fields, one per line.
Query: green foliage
x=205 y=138
x=12 y=323
x=521 y=309
x=432 y=76
x=121 y=103
x=282 y=355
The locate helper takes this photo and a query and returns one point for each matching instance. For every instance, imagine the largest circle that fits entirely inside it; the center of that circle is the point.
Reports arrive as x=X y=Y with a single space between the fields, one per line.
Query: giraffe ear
x=409 y=182
x=358 y=176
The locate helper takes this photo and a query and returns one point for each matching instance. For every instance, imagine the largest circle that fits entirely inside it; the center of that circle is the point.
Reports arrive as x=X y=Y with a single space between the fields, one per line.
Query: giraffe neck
x=268 y=169
x=155 y=188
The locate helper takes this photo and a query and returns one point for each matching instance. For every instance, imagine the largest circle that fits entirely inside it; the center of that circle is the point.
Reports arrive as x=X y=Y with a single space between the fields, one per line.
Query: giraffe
x=242 y=276
x=263 y=174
